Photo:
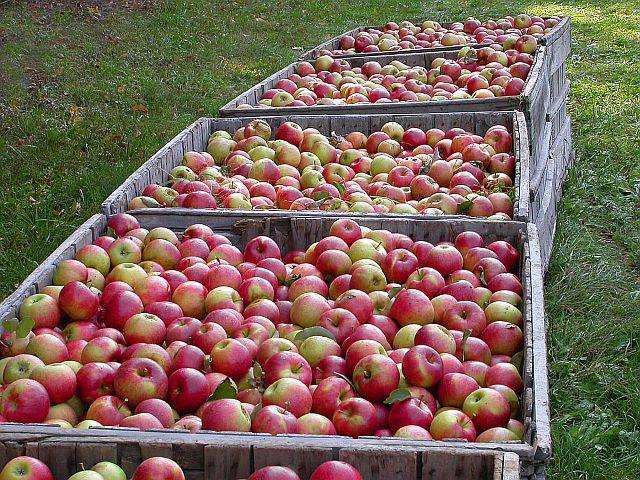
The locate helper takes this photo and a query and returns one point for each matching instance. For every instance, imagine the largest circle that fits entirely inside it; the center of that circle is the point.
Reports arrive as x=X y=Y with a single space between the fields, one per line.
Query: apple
x=452 y=424
x=487 y=408
x=188 y=389
x=25 y=401
x=48 y=348
x=505 y=374
x=274 y=472
x=109 y=471
x=231 y=357
x=411 y=306
x=70 y=271
x=329 y=394
x=227 y=415
x=159 y=409
x=290 y=394
x=144 y=328
x=20 y=366
x=25 y=468
x=422 y=366
x=375 y=377
x=58 y=379
x=275 y=420
x=454 y=388
x=411 y=411
x=158 y=468
x=139 y=379
x=335 y=470
x=78 y=301
x=355 y=417
x=42 y=309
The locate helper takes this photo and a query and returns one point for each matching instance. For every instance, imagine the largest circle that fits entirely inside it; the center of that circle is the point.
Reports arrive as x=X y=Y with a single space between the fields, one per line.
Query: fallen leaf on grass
x=139 y=108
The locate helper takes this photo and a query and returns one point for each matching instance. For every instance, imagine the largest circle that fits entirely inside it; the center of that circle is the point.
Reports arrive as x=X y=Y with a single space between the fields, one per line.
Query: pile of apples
x=430 y=34
x=485 y=72
x=395 y=170
x=160 y=468
x=155 y=468
x=367 y=332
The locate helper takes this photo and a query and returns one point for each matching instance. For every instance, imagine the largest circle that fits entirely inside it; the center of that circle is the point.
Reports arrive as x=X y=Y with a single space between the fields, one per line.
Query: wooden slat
x=90 y=453
x=441 y=465
x=60 y=457
x=226 y=461
x=378 y=464
x=302 y=460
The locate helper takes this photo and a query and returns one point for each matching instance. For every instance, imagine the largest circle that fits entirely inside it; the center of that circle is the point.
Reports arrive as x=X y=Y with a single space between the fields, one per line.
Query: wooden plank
x=129 y=456
x=302 y=460
x=90 y=453
x=444 y=465
x=541 y=407
x=478 y=122
x=60 y=457
x=379 y=464
x=156 y=449
x=510 y=467
x=226 y=461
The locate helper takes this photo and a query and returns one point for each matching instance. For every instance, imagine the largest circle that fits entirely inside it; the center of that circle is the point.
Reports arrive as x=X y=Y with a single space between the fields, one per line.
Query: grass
x=87 y=94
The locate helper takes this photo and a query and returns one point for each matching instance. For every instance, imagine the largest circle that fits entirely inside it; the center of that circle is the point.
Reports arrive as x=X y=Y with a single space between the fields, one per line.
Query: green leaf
x=466 y=335
x=255 y=411
x=292 y=279
x=340 y=187
x=464 y=207
x=302 y=335
x=483 y=279
x=10 y=324
x=397 y=395
x=257 y=370
x=517 y=360
x=224 y=390
x=25 y=327
x=393 y=292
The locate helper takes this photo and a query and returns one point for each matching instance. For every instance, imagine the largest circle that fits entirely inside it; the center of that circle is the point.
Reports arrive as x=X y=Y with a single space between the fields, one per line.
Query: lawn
x=89 y=91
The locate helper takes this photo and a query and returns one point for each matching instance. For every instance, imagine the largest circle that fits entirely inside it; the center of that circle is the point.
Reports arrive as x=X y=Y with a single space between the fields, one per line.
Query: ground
x=90 y=89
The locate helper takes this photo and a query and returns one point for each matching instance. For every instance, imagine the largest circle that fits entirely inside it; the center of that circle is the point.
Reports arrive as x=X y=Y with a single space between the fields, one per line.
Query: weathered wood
x=302 y=460
x=90 y=453
x=378 y=464
x=334 y=42
x=227 y=461
x=251 y=96
x=296 y=233
x=158 y=166
x=60 y=457
x=440 y=465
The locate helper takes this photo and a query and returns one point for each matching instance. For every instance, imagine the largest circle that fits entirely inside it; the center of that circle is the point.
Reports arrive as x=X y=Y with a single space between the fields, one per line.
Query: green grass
x=183 y=60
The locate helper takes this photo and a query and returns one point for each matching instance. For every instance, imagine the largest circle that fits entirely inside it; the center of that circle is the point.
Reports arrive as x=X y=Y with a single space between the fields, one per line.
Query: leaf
x=393 y=292
x=466 y=335
x=314 y=332
x=139 y=108
x=11 y=324
x=20 y=327
x=483 y=279
x=464 y=207
x=340 y=187
x=436 y=155
x=292 y=279
x=255 y=411
x=257 y=370
x=397 y=395
x=224 y=390
x=517 y=360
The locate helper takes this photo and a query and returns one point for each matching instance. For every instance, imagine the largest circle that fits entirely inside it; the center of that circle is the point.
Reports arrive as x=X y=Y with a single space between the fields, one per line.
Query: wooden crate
x=298 y=232
x=157 y=168
x=232 y=459
x=334 y=43
x=534 y=92
x=546 y=186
